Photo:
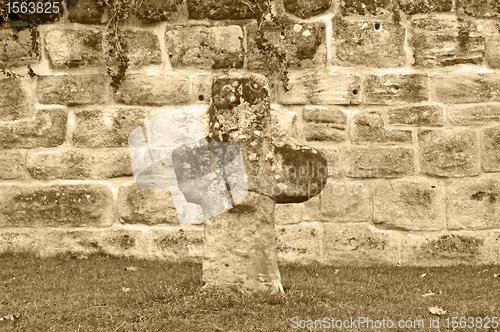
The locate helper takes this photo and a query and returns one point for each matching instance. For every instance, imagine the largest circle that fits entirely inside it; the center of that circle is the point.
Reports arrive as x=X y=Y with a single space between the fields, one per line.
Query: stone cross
x=239 y=247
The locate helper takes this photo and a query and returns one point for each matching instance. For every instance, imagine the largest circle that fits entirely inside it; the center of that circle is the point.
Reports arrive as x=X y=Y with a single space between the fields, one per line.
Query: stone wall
x=402 y=96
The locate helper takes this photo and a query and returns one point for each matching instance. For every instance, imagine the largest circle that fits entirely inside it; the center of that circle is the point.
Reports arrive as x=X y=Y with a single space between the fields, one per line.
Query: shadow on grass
x=96 y=293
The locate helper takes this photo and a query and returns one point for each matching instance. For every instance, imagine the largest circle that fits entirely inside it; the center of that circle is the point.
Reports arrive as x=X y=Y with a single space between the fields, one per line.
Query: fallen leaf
x=437 y=311
x=131 y=268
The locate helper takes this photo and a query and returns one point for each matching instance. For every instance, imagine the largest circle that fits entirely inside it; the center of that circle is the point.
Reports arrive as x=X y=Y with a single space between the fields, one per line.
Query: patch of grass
x=75 y=293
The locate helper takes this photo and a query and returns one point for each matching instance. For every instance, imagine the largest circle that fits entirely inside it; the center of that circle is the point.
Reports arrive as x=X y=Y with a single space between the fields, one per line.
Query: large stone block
x=69 y=163
x=476 y=114
x=321 y=87
x=299 y=243
x=367 y=7
x=449 y=152
x=97 y=127
x=405 y=204
x=71 y=90
x=74 y=48
x=46 y=129
x=479 y=8
x=12 y=165
x=56 y=205
x=360 y=244
x=490 y=153
x=466 y=88
x=154 y=90
x=370 y=43
x=345 y=200
x=137 y=205
x=14 y=105
x=205 y=47
x=152 y=11
x=368 y=127
x=446 y=42
x=383 y=162
x=307 y=9
x=412 y=7
x=85 y=11
x=417 y=115
x=324 y=124
x=143 y=48
x=221 y=10
x=455 y=248
x=302 y=44
x=391 y=89
x=473 y=204
x=16 y=52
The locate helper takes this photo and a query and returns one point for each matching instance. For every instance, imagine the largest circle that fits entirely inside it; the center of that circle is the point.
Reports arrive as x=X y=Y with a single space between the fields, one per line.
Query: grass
x=98 y=294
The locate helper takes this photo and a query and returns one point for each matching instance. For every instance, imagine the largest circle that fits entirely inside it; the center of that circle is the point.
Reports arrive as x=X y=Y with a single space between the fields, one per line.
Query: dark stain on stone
x=455 y=244
x=125 y=241
x=480 y=195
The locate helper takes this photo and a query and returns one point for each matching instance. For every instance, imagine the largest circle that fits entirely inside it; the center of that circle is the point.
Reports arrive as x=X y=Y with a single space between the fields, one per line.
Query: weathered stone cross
x=239 y=247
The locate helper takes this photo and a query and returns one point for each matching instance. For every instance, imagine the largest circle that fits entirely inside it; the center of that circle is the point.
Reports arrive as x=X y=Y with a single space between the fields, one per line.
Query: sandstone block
x=205 y=47
x=321 y=87
x=479 y=8
x=16 y=52
x=412 y=7
x=56 y=205
x=74 y=48
x=12 y=165
x=97 y=127
x=68 y=163
x=446 y=42
x=220 y=10
x=383 y=162
x=409 y=205
x=417 y=115
x=47 y=129
x=71 y=90
x=473 y=204
x=391 y=89
x=443 y=248
x=307 y=9
x=366 y=7
x=360 y=244
x=299 y=243
x=85 y=11
x=302 y=44
x=345 y=200
x=476 y=114
x=448 y=153
x=13 y=103
x=137 y=205
x=370 y=43
x=368 y=127
x=154 y=90
x=466 y=88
